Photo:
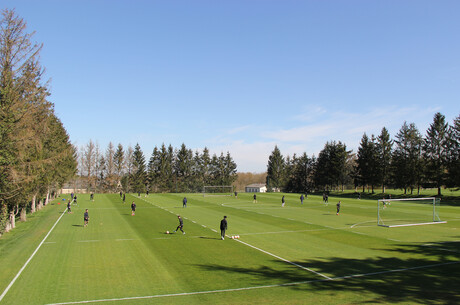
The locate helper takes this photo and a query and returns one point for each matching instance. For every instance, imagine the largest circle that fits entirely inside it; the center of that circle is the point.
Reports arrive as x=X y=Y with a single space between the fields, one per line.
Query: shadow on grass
x=77 y=225
x=429 y=274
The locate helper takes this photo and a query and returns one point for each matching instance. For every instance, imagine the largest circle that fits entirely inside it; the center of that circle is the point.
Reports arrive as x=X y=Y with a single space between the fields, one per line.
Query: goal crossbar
x=217 y=190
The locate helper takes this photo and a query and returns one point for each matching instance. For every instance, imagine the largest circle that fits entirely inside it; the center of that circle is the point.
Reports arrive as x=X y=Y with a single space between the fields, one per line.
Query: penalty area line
x=30 y=258
x=253 y=287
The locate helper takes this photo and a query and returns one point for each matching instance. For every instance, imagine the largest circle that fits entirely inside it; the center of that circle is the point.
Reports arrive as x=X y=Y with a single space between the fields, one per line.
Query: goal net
x=408 y=212
x=220 y=190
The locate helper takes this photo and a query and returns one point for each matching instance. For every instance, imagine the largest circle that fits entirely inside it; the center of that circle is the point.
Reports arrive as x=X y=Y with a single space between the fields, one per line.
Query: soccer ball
x=167 y=232
x=233 y=237
x=237 y=236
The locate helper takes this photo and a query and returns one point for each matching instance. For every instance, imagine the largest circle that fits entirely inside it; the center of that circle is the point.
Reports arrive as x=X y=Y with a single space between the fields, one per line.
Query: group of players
x=223 y=222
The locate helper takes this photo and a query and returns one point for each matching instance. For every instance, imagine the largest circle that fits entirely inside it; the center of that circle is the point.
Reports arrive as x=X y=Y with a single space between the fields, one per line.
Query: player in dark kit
x=301 y=199
x=223 y=227
x=255 y=198
x=181 y=225
x=124 y=198
x=338 y=208
x=133 y=209
x=69 y=210
x=184 y=202
x=86 y=218
x=282 y=201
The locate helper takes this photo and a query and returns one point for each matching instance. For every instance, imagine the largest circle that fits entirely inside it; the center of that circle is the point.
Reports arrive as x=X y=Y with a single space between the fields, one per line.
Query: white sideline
x=30 y=258
x=253 y=287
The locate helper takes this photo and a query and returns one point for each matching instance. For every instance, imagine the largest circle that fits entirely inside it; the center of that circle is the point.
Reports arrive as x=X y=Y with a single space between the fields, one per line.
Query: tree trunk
x=23 y=214
x=439 y=191
x=40 y=204
x=12 y=220
x=33 y=206
x=47 y=198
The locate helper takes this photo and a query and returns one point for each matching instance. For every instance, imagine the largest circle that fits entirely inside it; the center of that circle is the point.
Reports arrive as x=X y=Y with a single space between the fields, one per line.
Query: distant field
x=298 y=254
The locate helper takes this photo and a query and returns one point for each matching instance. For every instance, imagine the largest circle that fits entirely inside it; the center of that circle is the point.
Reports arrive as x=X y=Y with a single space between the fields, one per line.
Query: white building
x=256 y=188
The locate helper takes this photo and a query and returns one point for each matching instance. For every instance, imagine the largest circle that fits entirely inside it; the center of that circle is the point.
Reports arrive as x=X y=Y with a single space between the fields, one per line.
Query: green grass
x=293 y=255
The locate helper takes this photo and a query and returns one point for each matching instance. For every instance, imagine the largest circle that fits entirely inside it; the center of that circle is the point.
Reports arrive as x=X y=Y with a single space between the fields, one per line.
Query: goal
x=219 y=190
x=408 y=212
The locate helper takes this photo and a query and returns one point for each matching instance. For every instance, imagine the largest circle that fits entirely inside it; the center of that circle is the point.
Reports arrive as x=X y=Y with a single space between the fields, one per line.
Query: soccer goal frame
x=383 y=204
x=217 y=190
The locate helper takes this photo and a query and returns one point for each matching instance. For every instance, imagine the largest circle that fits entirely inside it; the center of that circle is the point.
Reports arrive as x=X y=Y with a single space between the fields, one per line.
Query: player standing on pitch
x=282 y=201
x=223 y=227
x=133 y=209
x=301 y=199
x=338 y=207
x=181 y=225
x=86 y=218
x=184 y=202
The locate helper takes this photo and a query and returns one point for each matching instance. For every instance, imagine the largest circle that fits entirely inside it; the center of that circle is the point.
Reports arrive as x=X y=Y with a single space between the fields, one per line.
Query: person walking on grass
x=124 y=198
x=255 y=198
x=86 y=218
x=133 y=209
x=301 y=199
x=223 y=227
x=282 y=201
x=181 y=225
x=184 y=202
x=69 y=209
x=338 y=207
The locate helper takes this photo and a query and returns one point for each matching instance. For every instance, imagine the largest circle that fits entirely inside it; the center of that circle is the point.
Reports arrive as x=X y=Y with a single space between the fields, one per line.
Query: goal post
x=408 y=212
x=217 y=190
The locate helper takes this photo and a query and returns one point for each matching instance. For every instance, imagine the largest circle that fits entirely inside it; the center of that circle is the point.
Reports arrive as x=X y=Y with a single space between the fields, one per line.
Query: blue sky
x=244 y=76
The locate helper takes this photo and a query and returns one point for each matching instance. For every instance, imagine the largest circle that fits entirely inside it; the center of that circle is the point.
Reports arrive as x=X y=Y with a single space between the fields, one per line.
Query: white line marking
x=253 y=287
x=124 y=239
x=213 y=230
x=30 y=258
x=87 y=241
x=285 y=260
x=49 y=242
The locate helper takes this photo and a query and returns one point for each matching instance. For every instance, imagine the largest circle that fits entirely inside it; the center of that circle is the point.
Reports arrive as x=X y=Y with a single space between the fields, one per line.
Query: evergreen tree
x=153 y=170
x=367 y=162
x=406 y=158
x=384 y=150
x=275 y=170
x=436 y=151
x=183 y=168
x=454 y=153
x=119 y=163
x=139 y=173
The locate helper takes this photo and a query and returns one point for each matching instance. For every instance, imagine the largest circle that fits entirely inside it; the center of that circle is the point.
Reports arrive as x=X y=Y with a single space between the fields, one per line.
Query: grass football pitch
x=297 y=254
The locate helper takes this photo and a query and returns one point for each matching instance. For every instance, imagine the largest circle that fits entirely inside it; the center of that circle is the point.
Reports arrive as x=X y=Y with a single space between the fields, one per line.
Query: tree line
x=36 y=156
x=169 y=169
x=409 y=162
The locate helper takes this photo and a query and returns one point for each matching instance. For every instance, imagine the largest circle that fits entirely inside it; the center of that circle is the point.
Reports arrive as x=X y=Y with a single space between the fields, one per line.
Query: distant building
x=256 y=188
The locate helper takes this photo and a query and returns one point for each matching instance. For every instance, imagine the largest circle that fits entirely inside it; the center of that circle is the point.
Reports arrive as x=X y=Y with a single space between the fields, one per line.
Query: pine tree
x=406 y=164
x=367 y=162
x=384 y=150
x=275 y=170
x=139 y=173
x=436 y=150
x=454 y=154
